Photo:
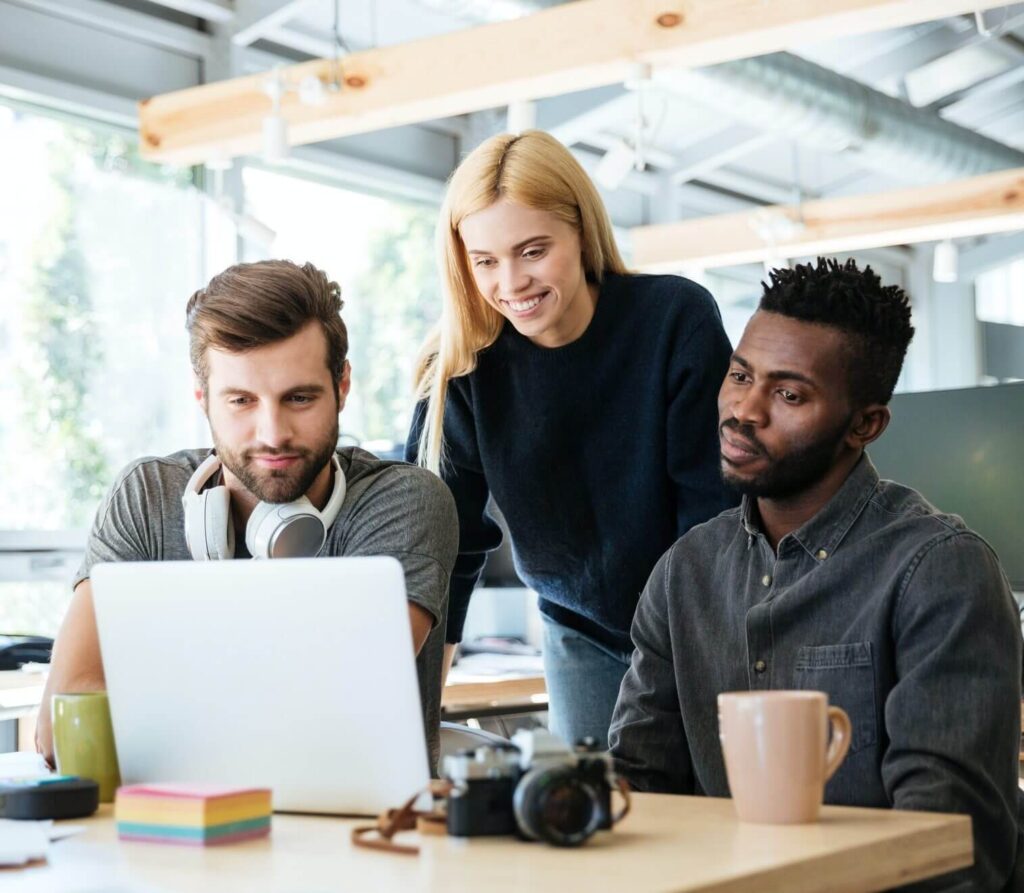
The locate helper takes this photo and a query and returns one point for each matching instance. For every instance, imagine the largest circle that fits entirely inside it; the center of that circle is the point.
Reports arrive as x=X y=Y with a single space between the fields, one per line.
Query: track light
x=275 y=127
x=312 y=91
x=945 y=261
x=522 y=115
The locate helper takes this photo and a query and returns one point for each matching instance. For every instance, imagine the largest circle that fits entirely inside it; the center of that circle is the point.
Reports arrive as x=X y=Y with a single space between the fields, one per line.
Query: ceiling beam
x=19 y=84
x=293 y=39
x=989 y=254
x=210 y=10
x=574 y=116
x=1005 y=80
x=709 y=154
x=128 y=23
x=991 y=203
x=256 y=18
x=757 y=189
x=576 y=46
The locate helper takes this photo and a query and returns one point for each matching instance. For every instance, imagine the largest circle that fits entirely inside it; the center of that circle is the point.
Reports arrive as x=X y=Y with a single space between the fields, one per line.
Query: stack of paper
x=22 y=842
x=199 y=815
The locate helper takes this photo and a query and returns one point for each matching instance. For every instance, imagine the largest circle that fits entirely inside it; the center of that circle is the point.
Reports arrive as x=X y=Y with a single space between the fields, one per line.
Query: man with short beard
x=827 y=578
x=268 y=348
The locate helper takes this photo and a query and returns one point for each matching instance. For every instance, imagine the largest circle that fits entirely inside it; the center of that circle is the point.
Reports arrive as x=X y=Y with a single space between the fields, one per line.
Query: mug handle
x=840 y=743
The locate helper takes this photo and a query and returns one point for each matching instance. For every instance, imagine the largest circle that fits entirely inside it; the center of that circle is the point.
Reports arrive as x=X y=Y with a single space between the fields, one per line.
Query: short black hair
x=876 y=318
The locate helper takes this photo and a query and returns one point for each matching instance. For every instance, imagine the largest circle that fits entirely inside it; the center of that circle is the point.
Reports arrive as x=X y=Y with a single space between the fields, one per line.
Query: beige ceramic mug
x=778 y=754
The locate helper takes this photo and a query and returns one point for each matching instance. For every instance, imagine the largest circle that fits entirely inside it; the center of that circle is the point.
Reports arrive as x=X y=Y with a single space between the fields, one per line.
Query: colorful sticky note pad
x=191 y=814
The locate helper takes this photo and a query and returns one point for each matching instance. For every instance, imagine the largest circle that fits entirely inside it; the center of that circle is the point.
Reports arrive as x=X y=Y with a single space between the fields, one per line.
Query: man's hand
x=76 y=665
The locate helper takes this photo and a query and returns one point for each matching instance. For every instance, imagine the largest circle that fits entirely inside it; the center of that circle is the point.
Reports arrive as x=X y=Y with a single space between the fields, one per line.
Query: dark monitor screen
x=964 y=451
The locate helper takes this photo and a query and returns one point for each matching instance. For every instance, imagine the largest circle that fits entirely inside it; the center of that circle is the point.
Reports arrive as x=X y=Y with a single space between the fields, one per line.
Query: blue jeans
x=583 y=678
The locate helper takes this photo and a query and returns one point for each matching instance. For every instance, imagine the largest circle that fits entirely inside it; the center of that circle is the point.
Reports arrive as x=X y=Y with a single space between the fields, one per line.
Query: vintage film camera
x=536 y=787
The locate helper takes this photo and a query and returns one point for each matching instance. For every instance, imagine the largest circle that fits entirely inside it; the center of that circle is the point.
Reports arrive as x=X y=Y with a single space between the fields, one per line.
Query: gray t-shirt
x=390 y=508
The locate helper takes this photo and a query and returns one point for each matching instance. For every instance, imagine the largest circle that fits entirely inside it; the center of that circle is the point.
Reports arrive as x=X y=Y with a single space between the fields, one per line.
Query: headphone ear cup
x=219 y=531
x=257 y=541
x=285 y=530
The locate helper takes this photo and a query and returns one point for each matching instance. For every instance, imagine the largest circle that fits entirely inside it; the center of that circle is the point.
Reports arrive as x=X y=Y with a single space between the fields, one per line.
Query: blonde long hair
x=531 y=169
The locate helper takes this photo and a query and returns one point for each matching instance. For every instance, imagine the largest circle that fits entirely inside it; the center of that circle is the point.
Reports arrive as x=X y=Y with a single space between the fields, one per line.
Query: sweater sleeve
x=462 y=471
x=696 y=371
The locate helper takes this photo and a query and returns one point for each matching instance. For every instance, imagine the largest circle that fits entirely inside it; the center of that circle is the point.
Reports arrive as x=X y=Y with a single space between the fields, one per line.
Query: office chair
x=455 y=737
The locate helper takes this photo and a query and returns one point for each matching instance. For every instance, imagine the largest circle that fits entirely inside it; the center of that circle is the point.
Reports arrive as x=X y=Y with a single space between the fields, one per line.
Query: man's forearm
x=76 y=664
x=58 y=683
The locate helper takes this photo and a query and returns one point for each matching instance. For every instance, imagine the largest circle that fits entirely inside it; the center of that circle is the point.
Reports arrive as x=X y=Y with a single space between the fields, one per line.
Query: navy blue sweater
x=600 y=453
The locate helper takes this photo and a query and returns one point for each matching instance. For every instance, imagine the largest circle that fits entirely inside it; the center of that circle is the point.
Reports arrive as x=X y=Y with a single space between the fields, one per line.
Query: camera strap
x=407 y=818
x=623 y=788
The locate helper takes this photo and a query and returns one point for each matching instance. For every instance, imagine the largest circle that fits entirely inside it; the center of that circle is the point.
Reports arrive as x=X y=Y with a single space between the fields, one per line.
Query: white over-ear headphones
x=275 y=529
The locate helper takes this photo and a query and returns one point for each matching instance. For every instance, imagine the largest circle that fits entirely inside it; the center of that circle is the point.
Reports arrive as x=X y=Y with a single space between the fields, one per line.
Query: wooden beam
x=991 y=203
x=588 y=43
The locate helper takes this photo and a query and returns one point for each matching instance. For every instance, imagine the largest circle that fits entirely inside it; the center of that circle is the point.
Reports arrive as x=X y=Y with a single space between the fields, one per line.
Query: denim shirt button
x=822 y=554
x=760 y=666
x=766 y=580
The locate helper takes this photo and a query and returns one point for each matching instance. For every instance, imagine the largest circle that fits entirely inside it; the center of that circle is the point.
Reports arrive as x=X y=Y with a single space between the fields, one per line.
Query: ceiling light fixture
x=275 y=127
x=521 y=115
x=945 y=261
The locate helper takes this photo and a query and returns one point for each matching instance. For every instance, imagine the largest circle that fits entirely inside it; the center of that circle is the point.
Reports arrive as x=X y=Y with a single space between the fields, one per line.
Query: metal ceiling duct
x=815 y=106
x=784 y=94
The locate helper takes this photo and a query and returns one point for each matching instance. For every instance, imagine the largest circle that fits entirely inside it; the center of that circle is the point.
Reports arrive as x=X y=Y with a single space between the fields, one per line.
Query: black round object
x=67 y=798
x=558 y=806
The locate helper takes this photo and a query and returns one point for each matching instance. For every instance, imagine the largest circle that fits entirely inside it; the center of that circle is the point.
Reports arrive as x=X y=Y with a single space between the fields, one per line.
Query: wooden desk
x=522 y=694
x=668 y=844
x=20 y=694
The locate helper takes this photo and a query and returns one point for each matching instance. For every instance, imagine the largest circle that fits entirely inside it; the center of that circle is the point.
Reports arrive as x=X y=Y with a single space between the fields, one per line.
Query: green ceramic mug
x=83 y=739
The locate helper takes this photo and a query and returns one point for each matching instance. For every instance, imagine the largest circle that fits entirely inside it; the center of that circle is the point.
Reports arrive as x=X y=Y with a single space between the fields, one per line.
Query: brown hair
x=252 y=305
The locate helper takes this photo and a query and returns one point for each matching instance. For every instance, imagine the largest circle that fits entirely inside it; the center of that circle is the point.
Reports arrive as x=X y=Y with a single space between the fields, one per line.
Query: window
x=999 y=295
x=381 y=253
x=99 y=252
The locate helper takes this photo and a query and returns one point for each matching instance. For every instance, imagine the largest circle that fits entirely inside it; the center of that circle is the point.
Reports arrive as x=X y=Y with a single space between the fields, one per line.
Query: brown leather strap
x=406 y=818
x=623 y=788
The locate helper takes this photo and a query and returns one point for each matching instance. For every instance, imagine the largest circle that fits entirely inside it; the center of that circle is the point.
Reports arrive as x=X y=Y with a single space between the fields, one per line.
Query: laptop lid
x=297 y=675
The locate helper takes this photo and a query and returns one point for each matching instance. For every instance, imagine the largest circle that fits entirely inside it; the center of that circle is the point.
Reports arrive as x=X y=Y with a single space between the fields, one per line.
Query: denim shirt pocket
x=846 y=673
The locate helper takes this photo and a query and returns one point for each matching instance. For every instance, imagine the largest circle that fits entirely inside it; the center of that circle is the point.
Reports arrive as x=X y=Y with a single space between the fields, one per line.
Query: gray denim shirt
x=900 y=614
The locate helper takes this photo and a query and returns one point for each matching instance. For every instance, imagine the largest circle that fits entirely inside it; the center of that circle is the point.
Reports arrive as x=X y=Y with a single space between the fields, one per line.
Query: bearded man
x=268 y=348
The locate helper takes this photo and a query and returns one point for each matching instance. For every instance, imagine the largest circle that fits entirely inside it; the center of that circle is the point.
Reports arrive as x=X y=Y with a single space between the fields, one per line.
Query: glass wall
x=99 y=253
x=381 y=253
x=999 y=295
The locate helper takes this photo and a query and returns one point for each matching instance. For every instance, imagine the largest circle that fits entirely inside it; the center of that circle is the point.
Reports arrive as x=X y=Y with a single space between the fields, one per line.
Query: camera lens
x=557 y=806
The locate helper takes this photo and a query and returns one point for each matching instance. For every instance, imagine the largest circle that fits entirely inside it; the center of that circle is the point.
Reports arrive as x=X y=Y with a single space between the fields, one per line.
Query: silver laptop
x=297 y=675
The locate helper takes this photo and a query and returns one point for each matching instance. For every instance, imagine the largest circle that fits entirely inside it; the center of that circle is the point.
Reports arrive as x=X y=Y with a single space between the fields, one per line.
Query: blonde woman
x=582 y=397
